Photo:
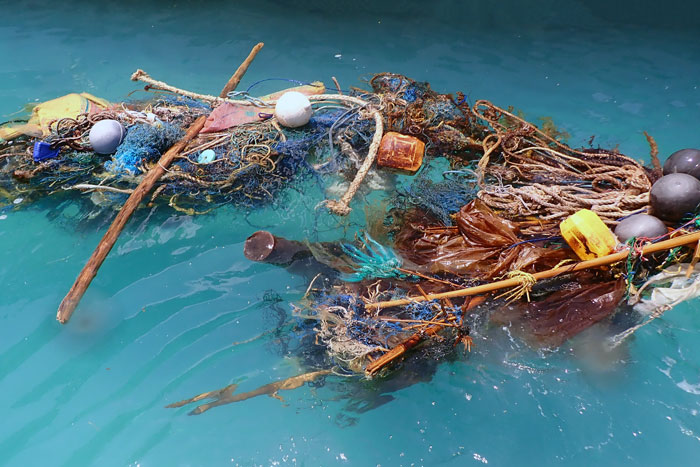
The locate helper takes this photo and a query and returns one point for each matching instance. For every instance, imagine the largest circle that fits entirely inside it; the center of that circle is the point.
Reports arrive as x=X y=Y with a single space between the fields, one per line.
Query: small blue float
x=43 y=151
x=206 y=156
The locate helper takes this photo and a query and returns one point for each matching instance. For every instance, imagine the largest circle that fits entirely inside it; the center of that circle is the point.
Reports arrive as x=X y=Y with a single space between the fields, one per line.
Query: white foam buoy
x=293 y=109
x=206 y=156
x=106 y=135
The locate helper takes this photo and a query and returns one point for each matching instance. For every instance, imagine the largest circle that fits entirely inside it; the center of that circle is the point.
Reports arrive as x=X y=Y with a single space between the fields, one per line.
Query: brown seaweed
x=550 y=321
x=483 y=246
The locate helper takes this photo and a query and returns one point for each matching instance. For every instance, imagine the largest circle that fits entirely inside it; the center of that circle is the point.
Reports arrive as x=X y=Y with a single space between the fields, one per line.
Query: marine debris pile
x=522 y=236
x=488 y=218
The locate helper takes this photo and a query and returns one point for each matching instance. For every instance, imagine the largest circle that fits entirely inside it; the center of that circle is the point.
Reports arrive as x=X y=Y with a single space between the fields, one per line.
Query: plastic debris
x=43 y=151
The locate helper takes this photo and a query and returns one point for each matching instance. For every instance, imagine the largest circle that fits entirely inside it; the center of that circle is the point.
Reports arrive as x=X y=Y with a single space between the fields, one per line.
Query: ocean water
x=177 y=310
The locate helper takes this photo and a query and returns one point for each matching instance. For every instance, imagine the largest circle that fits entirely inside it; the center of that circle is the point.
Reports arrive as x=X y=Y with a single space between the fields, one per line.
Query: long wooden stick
x=236 y=78
x=81 y=284
x=71 y=300
x=504 y=284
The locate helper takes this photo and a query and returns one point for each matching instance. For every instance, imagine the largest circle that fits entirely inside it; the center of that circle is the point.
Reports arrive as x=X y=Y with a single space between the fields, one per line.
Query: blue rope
x=295 y=81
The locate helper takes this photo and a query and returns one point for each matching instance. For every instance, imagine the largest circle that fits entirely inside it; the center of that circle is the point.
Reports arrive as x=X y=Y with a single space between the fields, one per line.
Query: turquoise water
x=177 y=310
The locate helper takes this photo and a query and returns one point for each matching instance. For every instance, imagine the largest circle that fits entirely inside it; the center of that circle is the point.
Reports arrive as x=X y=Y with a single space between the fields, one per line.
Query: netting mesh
x=440 y=199
x=143 y=143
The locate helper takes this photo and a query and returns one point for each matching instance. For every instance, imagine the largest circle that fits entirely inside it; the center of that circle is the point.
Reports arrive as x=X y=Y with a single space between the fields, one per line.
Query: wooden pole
x=81 y=284
x=236 y=78
x=504 y=284
x=71 y=300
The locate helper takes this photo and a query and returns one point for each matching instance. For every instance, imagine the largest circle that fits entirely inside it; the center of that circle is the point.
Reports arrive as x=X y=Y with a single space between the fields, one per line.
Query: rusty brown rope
x=525 y=172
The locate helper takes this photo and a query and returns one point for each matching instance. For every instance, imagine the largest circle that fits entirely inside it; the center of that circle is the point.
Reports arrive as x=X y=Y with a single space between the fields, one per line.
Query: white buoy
x=106 y=135
x=293 y=109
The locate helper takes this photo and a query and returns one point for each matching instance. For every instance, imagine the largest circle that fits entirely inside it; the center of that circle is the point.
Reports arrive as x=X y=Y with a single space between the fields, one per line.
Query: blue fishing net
x=351 y=324
x=442 y=199
x=142 y=143
x=403 y=87
x=256 y=163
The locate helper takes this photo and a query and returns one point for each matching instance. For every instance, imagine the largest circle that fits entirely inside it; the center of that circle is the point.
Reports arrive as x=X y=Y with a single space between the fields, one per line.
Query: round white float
x=293 y=109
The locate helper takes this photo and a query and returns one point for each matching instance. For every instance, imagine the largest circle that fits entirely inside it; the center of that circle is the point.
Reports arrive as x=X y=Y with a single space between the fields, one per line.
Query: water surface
x=177 y=310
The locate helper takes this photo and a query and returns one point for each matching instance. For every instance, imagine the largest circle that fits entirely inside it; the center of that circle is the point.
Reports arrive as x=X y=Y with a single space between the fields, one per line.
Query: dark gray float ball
x=640 y=225
x=685 y=161
x=675 y=196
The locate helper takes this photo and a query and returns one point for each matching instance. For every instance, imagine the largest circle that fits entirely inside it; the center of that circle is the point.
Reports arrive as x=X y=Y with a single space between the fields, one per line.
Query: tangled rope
x=526 y=172
x=341 y=206
x=527 y=281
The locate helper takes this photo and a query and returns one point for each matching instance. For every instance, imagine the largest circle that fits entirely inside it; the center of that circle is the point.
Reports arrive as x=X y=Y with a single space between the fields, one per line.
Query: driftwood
x=71 y=300
x=649 y=248
x=236 y=78
x=400 y=349
x=81 y=284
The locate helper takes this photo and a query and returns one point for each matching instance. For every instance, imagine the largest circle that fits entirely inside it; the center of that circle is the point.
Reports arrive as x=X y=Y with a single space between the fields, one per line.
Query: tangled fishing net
x=493 y=216
x=253 y=162
x=484 y=207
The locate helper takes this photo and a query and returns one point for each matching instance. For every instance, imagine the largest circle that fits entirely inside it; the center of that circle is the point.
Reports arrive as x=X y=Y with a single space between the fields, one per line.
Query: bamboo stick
x=236 y=78
x=81 y=284
x=503 y=284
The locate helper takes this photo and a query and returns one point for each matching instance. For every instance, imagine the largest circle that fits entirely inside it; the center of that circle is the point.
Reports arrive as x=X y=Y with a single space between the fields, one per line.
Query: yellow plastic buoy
x=587 y=235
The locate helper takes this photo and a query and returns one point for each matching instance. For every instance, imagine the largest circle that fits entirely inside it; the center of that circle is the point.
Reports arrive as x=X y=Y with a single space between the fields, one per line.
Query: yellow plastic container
x=587 y=235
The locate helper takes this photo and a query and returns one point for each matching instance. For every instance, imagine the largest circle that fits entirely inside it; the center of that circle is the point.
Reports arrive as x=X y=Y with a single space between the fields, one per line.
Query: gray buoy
x=675 y=196
x=685 y=161
x=640 y=225
x=106 y=135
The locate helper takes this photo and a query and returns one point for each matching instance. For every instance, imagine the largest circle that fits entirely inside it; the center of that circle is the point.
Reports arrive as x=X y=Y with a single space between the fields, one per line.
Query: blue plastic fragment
x=43 y=151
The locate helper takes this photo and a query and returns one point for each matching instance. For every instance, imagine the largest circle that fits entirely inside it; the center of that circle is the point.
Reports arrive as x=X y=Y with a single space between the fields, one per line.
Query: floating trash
x=492 y=218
